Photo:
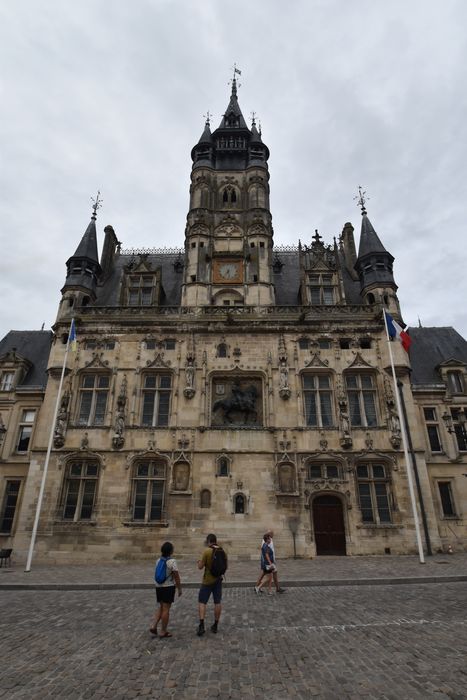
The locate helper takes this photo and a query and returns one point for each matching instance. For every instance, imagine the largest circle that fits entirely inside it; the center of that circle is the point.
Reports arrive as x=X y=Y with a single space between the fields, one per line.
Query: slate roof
x=33 y=346
x=87 y=247
x=432 y=346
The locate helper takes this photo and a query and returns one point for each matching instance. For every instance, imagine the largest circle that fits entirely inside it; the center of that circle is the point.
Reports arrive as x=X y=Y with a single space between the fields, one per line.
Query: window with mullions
x=93 y=394
x=80 y=490
x=432 y=429
x=10 y=502
x=317 y=394
x=373 y=492
x=459 y=429
x=156 y=399
x=322 y=471
x=148 y=492
x=321 y=289
x=142 y=290
x=25 y=430
x=361 y=391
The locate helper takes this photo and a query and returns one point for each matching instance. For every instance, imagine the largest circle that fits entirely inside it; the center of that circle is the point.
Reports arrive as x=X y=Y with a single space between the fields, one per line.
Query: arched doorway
x=328 y=525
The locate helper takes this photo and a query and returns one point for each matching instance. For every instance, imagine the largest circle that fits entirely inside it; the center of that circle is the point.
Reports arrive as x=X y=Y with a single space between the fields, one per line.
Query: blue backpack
x=160 y=574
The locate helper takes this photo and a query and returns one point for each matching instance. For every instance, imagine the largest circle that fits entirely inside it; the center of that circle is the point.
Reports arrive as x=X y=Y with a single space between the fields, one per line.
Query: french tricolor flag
x=396 y=331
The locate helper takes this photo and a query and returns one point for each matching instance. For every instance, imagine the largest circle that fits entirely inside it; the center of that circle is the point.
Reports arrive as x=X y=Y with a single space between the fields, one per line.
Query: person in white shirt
x=279 y=589
x=165 y=592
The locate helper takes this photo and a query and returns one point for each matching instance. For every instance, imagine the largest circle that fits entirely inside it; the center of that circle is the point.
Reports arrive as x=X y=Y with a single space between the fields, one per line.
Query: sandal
x=153 y=630
x=166 y=634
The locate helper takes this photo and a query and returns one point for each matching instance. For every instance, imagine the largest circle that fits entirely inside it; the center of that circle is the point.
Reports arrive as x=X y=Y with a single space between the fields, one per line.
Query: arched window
x=233 y=196
x=148 y=490
x=80 y=488
x=225 y=196
x=370 y=298
x=205 y=499
x=222 y=350
x=239 y=503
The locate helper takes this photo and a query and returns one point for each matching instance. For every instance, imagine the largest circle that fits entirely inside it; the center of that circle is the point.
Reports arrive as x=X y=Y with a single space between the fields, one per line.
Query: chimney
x=108 y=251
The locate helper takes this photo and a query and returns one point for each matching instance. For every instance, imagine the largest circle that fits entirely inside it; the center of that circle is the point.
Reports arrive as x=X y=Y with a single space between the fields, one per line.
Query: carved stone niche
x=181 y=477
x=286 y=479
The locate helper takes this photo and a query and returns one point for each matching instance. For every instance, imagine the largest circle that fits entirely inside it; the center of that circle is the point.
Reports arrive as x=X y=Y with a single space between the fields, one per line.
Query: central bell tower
x=229 y=235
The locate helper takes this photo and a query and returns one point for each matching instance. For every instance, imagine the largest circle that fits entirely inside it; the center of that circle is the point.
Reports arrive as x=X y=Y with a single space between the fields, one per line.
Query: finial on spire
x=208 y=116
x=253 y=119
x=259 y=128
x=96 y=204
x=361 y=199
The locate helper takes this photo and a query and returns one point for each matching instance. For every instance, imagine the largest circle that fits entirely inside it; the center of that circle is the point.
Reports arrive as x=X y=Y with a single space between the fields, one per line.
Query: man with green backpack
x=214 y=562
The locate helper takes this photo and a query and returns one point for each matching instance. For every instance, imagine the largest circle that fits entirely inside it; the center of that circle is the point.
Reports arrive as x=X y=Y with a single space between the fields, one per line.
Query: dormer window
x=321 y=289
x=142 y=290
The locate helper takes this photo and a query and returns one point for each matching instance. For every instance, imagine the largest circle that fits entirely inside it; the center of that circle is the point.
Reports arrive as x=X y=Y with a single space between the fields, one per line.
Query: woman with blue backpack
x=166 y=578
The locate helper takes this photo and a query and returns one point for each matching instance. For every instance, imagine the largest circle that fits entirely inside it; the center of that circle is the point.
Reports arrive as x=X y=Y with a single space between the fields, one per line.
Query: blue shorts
x=205 y=593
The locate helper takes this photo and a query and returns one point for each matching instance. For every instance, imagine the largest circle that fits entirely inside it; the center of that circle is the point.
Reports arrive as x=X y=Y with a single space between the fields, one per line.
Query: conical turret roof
x=369 y=240
x=233 y=113
x=88 y=244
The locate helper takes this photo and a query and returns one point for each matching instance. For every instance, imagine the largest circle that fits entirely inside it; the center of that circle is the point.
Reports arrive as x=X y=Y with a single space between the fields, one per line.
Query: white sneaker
x=257 y=589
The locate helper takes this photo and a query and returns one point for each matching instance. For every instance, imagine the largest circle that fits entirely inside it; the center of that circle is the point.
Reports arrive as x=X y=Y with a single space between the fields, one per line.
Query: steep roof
x=432 y=346
x=33 y=346
x=233 y=108
x=88 y=244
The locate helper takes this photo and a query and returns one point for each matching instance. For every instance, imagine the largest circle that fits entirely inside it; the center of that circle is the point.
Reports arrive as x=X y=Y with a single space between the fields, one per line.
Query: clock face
x=227 y=271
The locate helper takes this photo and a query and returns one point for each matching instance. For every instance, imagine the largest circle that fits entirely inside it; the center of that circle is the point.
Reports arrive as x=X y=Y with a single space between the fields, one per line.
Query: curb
x=394 y=581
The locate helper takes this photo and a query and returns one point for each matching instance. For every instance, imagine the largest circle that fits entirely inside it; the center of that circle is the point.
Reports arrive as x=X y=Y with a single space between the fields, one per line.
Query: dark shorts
x=205 y=592
x=165 y=594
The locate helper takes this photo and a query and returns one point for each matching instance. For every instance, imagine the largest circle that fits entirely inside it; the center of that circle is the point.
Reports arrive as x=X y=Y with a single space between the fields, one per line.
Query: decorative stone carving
x=284 y=389
x=181 y=476
x=62 y=420
x=85 y=442
x=286 y=478
x=240 y=403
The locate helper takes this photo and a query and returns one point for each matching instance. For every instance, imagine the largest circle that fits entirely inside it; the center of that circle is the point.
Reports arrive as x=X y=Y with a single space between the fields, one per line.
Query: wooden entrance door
x=328 y=523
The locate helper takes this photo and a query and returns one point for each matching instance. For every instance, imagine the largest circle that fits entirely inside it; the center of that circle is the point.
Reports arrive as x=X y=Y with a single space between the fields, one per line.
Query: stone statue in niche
x=346 y=438
x=118 y=440
x=181 y=476
x=189 y=390
x=284 y=389
x=395 y=427
x=286 y=478
x=61 y=423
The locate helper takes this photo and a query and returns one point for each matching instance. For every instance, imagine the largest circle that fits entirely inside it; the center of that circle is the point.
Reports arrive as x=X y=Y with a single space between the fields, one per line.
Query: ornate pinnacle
x=208 y=116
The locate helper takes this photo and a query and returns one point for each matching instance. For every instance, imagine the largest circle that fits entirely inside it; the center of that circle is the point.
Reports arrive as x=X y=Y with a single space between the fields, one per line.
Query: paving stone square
x=404 y=641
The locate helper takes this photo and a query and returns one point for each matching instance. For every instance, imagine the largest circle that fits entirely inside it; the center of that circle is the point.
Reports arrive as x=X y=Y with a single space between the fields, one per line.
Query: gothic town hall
x=231 y=386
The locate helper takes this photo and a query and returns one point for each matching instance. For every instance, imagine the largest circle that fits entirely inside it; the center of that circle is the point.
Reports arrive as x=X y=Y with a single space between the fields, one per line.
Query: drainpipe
x=415 y=470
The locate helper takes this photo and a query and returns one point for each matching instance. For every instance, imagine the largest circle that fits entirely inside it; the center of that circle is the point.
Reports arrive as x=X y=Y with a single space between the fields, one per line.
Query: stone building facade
x=232 y=386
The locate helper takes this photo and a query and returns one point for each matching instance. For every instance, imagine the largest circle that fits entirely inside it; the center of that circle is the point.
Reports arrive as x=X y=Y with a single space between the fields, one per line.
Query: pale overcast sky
x=110 y=95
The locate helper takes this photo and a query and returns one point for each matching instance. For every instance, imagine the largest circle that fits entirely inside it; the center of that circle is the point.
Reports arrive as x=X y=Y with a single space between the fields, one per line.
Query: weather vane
x=96 y=204
x=253 y=119
x=236 y=71
x=208 y=116
x=361 y=199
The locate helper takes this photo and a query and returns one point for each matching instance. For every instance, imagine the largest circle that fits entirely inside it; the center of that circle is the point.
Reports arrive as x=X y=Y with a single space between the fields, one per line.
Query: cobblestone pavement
x=320 y=569
x=404 y=642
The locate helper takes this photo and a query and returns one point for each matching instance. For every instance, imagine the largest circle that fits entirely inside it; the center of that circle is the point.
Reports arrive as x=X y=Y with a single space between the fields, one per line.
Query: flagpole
x=47 y=459
x=406 y=451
